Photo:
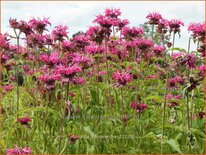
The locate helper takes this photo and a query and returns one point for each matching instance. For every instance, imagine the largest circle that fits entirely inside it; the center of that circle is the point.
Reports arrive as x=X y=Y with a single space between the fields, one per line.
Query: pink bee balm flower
x=154 y=17
x=171 y=96
x=25 y=27
x=141 y=107
x=175 y=80
x=144 y=44
x=13 y=23
x=33 y=40
x=175 y=25
x=202 y=69
x=122 y=78
x=178 y=55
x=7 y=88
x=162 y=26
x=133 y=32
x=59 y=32
x=189 y=61
x=84 y=62
x=50 y=59
x=123 y=23
x=113 y=13
x=3 y=41
x=49 y=80
x=133 y=105
x=24 y=120
x=68 y=73
x=94 y=49
x=17 y=150
x=67 y=46
x=78 y=81
x=198 y=31
x=158 y=50
x=39 y=24
x=72 y=138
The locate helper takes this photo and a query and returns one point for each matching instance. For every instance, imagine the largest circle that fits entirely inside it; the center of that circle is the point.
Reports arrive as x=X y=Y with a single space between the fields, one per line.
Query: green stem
x=173 y=42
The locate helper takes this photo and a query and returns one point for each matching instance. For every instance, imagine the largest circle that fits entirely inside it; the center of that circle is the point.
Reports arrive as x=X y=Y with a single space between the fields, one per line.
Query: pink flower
x=96 y=33
x=198 y=30
x=171 y=96
x=13 y=23
x=33 y=40
x=7 y=88
x=39 y=25
x=17 y=150
x=50 y=59
x=123 y=23
x=144 y=44
x=24 y=120
x=154 y=17
x=59 y=32
x=80 y=41
x=68 y=73
x=122 y=78
x=25 y=27
x=189 y=61
x=175 y=25
x=175 y=80
x=84 y=62
x=78 y=81
x=133 y=105
x=178 y=55
x=67 y=46
x=72 y=138
x=202 y=69
x=113 y=13
x=139 y=107
x=172 y=104
x=162 y=26
x=133 y=32
x=49 y=80
x=94 y=49
x=4 y=41
x=158 y=50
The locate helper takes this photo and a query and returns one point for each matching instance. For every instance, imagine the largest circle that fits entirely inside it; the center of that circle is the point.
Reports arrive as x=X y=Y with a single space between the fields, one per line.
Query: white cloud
x=78 y=15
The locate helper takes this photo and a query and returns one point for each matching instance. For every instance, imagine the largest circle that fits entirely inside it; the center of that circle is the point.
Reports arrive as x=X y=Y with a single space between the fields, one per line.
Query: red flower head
x=189 y=61
x=68 y=73
x=113 y=13
x=176 y=80
x=24 y=120
x=175 y=25
x=162 y=26
x=154 y=18
x=94 y=49
x=50 y=59
x=158 y=50
x=130 y=33
x=49 y=80
x=198 y=31
x=144 y=44
x=72 y=138
x=17 y=150
x=59 y=32
x=39 y=25
x=122 y=78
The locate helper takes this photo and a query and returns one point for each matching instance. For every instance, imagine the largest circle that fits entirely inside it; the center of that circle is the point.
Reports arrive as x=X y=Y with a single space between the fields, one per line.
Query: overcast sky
x=78 y=15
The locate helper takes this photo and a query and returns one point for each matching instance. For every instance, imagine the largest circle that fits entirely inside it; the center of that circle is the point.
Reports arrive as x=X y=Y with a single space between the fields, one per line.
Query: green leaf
x=175 y=145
